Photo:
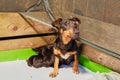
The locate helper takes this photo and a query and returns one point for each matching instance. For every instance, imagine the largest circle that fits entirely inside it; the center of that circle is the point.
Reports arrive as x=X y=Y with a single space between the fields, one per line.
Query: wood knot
x=13 y=27
x=51 y=30
x=100 y=58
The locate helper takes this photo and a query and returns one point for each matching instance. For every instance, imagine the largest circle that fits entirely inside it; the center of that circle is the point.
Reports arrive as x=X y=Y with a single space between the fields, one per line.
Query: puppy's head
x=68 y=27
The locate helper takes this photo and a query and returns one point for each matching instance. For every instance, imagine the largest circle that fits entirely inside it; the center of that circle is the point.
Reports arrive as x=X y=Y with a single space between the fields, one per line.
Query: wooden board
x=95 y=9
x=80 y=7
x=101 y=58
x=16 y=5
x=107 y=11
x=12 y=24
x=112 y=12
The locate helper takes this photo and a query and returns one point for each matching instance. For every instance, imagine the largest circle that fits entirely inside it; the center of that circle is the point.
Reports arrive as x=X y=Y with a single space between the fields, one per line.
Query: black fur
x=43 y=58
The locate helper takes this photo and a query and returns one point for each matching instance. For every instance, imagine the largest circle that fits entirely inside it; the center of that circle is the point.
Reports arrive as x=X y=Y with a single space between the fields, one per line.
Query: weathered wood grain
x=12 y=24
x=101 y=58
x=16 y=5
x=107 y=11
x=80 y=7
x=95 y=9
x=112 y=12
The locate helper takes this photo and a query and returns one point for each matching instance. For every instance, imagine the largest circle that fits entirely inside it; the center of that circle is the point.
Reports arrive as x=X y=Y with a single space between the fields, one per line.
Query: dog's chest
x=65 y=48
x=65 y=56
x=64 y=51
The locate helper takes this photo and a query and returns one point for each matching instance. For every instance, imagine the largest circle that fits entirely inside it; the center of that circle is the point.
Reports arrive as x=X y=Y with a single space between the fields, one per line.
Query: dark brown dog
x=43 y=58
x=63 y=51
x=65 y=46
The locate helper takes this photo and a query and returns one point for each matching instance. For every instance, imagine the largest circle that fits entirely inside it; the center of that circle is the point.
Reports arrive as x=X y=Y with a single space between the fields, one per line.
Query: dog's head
x=68 y=27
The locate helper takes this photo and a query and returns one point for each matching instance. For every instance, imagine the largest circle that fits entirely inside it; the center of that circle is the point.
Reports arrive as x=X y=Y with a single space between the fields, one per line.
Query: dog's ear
x=56 y=23
x=77 y=20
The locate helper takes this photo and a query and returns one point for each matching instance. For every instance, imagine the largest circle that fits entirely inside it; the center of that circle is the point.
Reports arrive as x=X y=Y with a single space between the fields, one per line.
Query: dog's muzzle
x=74 y=36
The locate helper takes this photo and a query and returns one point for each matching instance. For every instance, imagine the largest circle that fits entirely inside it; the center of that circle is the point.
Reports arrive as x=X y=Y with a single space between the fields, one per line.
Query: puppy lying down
x=45 y=58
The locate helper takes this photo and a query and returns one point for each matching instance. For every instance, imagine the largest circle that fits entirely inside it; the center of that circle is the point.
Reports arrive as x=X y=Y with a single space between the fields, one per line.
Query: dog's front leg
x=55 y=71
x=75 y=64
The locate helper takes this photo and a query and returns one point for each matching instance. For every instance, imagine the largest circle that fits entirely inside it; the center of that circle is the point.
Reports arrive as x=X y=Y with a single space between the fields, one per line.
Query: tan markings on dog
x=68 y=54
x=65 y=37
x=75 y=65
x=71 y=53
x=58 y=52
x=56 y=63
x=55 y=71
x=71 y=31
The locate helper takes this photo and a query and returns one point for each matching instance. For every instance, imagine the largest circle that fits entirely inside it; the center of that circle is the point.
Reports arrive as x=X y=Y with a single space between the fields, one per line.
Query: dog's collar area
x=65 y=56
x=65 y=47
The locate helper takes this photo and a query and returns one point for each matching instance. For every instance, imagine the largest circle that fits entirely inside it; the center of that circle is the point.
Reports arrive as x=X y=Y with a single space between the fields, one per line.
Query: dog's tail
x=30 y=60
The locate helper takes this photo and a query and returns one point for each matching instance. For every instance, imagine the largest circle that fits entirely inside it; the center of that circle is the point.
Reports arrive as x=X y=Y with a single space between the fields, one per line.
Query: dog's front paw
x=53 y=74
x=76 y=70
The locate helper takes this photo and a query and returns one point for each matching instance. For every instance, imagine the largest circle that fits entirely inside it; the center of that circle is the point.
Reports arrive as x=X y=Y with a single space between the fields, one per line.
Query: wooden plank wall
x=24 y=28
x=101 y=58
x=12 y=24
x=104 y=10
x=100 y=25
x=16 y=5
